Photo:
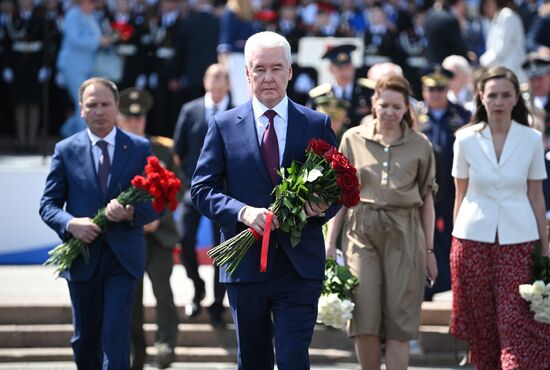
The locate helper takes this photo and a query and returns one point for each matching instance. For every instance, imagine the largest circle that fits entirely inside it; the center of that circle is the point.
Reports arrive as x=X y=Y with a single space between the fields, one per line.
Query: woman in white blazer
x=505 y=43
x=499 y=213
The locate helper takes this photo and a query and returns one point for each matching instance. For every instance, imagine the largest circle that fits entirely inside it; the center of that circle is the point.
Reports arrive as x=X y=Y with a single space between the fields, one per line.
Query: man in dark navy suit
x=188 y=139
x=232 y=185
x=88 y=171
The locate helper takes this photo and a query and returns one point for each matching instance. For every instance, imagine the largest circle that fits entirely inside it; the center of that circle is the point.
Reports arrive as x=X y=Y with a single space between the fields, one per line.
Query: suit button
x=385 y=164
x=387 y=149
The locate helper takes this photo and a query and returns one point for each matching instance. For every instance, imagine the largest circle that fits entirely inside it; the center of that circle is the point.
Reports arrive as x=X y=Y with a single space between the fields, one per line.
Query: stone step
x=436 y=313
x=207 y=354
x=436 y=338
x=61 y=314
x=190 y=335
x=433 y=313
x=183 y=354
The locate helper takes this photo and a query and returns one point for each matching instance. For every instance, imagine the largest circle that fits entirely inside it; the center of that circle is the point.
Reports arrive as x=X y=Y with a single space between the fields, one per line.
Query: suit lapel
x=85 y=160
x=246 y=129
x=295 y=130
x=122 y=151
x=485 y=140
x=513 y=138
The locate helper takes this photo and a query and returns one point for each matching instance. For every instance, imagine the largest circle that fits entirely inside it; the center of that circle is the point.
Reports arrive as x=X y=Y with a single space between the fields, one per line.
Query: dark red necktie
x=270 y=148
x=104 y=168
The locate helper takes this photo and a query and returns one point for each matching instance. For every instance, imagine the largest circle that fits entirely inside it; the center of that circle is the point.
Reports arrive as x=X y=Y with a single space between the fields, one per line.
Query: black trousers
x=191 y=219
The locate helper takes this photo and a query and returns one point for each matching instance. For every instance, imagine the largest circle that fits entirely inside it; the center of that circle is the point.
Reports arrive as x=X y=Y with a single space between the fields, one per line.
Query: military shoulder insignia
x=323 y=89
x=365 y=82
x=162 y=140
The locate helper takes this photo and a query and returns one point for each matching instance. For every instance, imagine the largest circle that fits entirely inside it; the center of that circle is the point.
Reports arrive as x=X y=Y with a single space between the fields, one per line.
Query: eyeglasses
x=436 y=88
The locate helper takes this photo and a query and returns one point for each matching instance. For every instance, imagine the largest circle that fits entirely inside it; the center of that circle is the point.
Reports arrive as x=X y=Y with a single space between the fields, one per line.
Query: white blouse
x=496 y=201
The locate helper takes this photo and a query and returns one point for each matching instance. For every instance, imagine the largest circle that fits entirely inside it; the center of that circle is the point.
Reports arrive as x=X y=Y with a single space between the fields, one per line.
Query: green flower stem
x=64 y=254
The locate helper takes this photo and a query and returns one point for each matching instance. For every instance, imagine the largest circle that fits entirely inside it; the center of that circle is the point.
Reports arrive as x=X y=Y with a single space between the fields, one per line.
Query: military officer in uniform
x=163 y=80
x=133 y=43
x=345 y=85
x=438 y=120
x=537 y=94
x=25 y=71
x=337 y=110
x=160 y=237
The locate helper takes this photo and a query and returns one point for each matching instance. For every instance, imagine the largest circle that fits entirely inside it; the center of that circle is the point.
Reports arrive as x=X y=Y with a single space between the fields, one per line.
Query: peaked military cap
x=339 y=55
x=435 y=75
x=135 y=102
x=536 y=64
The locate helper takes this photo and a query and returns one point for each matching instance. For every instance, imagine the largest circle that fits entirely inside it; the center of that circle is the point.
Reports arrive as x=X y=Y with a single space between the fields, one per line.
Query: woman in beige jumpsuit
x=388 y=236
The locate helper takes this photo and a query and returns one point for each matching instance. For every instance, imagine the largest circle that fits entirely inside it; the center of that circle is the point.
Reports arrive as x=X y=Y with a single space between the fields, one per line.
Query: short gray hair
x=266 y=40
x=457 y=61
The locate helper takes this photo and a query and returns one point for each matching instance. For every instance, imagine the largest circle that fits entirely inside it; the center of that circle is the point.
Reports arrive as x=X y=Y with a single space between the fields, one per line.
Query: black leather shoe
x=216 y=316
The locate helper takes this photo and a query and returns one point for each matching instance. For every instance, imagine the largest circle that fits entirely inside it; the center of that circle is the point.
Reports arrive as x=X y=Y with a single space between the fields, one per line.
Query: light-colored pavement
x=36 y=285
x=194 y=366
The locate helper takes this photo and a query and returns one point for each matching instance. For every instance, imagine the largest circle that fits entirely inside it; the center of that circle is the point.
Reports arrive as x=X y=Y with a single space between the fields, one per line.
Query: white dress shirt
x=209 y=105
x=496 y=201
x=280 y=122
x=96 y=150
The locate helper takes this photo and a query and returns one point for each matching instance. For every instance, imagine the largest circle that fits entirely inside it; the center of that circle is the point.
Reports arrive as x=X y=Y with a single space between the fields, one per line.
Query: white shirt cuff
x=240 y=215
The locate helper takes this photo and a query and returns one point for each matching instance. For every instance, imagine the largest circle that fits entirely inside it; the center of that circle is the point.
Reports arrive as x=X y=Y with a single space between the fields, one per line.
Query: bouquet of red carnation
x=326 y=176
x=159 y=185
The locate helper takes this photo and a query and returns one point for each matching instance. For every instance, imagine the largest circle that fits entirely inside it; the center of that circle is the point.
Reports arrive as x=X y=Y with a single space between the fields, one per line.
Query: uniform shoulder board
x=320 y=90
x=365 y=82
x=162 y=140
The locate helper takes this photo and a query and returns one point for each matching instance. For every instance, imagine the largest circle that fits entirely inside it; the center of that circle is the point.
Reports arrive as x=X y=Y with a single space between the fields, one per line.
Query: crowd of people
x=433 y=115
x=48 y=48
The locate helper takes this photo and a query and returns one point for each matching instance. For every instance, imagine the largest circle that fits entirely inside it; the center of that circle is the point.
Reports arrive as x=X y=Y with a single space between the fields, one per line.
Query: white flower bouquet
x=335 y=306
x=538 y=292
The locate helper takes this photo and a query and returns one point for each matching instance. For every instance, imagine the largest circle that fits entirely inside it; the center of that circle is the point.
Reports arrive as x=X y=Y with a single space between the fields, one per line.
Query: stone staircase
x=42 y=333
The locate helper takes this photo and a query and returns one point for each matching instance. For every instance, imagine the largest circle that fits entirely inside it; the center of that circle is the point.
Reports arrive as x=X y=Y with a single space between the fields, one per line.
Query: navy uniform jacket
x=360 y=101
x=441 y=134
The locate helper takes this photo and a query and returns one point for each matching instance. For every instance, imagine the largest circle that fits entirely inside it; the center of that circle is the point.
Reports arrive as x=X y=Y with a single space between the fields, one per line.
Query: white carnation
x=526 y=291
x=313 y=175
x=538 y=288
x=332 y=311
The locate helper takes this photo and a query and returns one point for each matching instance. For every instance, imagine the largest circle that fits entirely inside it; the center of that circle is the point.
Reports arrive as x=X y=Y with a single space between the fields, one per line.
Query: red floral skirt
x=488 y=311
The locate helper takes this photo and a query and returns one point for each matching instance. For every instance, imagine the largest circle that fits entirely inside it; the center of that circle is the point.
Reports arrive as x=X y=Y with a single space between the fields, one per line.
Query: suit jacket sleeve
x=54 y=197
x=208 y=182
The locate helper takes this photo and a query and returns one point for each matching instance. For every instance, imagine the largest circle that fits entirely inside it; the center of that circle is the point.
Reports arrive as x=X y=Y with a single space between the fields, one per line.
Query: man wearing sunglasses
x=439 y=119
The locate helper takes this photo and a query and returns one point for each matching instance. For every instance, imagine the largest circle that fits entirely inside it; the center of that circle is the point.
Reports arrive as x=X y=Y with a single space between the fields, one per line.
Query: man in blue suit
x=232 y=185
x=88 y=171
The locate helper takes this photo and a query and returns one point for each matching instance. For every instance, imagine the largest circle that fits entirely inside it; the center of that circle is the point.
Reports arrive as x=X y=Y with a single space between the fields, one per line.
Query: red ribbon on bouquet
x=265 y=241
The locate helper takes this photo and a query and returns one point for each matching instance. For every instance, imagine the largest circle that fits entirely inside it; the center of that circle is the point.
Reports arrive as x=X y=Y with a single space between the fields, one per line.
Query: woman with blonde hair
x=388 y=242
x=499 y=214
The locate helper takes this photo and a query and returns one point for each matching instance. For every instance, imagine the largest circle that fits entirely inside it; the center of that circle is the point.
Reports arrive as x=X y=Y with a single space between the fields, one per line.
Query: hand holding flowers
x=305 y=190
x=159 y=185
x=335 y=306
